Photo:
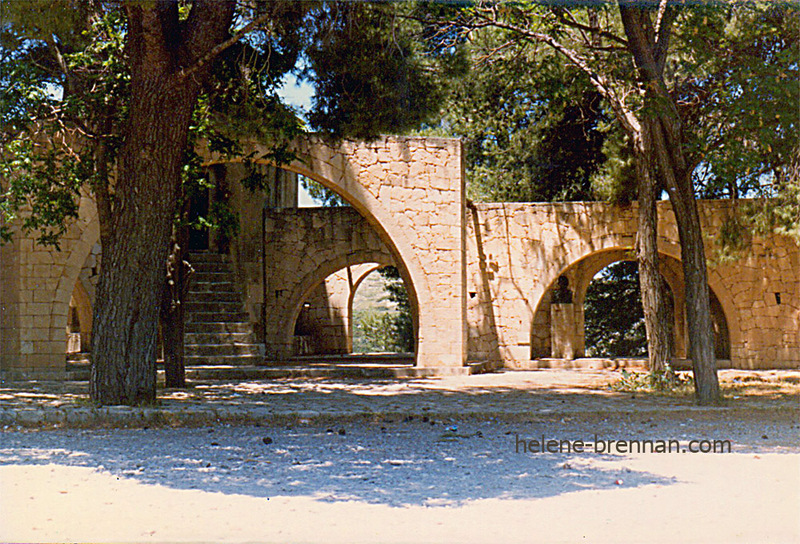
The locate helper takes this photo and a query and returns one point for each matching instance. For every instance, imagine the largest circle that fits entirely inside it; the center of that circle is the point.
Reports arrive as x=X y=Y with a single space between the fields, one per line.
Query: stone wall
x=304 y=246
x=517 y=251
x=480 y=276
x=411 y=192
x=36 y=286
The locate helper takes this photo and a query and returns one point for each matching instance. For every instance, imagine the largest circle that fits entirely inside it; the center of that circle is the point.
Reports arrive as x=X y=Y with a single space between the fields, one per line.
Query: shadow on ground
x=396 y=464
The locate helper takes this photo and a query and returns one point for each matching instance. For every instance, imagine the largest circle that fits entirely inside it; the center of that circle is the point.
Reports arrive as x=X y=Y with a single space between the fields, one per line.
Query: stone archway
x=580 y=274
x=411 y=192
x=326 y=313
x=290 y=312
x=82 y=305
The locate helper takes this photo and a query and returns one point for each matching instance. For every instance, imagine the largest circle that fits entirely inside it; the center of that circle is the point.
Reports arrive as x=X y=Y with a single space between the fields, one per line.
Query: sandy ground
x=401 y=480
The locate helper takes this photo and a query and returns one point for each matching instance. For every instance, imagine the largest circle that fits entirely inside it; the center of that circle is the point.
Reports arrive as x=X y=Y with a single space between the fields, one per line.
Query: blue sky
x=298 y=94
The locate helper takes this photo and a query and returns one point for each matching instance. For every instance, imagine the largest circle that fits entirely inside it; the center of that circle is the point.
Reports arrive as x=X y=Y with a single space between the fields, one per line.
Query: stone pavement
x=503 y=395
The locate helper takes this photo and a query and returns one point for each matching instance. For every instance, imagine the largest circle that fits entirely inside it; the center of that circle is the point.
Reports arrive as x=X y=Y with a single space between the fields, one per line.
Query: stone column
x=563 y=331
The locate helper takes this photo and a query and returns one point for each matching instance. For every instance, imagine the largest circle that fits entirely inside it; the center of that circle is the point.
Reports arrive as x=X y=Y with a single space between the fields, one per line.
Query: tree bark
x=665 y=145
x=132 y=277
x=653 y=301
x=172 y=314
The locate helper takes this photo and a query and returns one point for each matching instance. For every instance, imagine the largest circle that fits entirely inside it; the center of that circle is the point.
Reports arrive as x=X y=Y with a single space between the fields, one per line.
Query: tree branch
x=208 y=57
x=574 y=23
x=625 y=116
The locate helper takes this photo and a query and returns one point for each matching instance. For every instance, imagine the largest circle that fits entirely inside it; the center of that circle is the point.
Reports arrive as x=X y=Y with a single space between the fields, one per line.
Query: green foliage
x=614 y=318
x=373 y=332
x=738 y=72
x=381 y=330
x=403 y=320
x=369 y=75
x=321 y=194
x=42 y=192
x=61 y=100
x=615 y=179
x=533 y=126
x=64 y=81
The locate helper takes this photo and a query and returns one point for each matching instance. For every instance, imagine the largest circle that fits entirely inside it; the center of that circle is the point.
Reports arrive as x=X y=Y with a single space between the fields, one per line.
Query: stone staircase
x=217 y=330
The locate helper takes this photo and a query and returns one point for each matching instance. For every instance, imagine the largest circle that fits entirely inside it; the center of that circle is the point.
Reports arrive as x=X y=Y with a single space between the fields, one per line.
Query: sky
x=298 y=94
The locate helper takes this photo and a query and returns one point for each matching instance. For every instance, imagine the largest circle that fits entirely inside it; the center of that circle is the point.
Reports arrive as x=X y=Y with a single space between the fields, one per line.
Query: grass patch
x=667 y=383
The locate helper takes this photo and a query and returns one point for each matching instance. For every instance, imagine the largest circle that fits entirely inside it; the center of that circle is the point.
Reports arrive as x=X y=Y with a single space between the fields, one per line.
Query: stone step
x=207 y=276
x=202 y=338
x=223 y=360
x=217 y=331
x=213 y=267
x=223 y=350
x=191 y=327
x=216 y=317
x=208 y=257
x=214 y=296
x=199 y=288
x=213 y=306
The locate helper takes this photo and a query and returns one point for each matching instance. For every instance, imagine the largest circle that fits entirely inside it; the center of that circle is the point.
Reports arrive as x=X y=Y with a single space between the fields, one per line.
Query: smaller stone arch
x=359 y=276
x=325 y=325
x=580 y=274
x=281 y=345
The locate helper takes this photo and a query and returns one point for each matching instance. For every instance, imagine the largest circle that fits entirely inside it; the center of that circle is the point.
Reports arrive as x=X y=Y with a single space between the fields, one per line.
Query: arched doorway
x=564 y=324
x=381 y=316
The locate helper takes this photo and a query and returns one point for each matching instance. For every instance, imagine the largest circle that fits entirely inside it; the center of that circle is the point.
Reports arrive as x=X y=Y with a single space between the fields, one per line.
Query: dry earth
x=417 y=478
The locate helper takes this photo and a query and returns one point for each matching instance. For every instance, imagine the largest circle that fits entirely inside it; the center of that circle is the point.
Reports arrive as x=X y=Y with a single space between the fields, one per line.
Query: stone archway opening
x=613 y=316
x=79 y=322
x=559 y=325
x=361 y=309
x=381 y=317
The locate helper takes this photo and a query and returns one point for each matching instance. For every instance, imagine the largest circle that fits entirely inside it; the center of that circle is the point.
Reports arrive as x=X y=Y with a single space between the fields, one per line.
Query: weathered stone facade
x=516 y=252
x=480 y=277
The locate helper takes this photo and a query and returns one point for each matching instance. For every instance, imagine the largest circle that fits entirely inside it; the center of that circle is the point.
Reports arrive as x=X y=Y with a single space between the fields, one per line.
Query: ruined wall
x=411 y=192
x=480 y=277
x=517 y=251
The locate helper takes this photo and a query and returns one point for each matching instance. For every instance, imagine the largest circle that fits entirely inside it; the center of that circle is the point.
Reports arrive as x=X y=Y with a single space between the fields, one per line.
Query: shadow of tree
x=396 y=463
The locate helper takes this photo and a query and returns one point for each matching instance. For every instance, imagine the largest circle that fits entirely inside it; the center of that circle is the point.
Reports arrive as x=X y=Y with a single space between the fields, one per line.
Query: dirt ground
x=424 y=476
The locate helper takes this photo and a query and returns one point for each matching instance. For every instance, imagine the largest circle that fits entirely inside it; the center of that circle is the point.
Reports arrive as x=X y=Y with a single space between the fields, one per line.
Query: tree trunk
x=132 y=276
x=648 y=47
x=160 y=107
x=693 y=257
x=653 y=300
x=172 y=315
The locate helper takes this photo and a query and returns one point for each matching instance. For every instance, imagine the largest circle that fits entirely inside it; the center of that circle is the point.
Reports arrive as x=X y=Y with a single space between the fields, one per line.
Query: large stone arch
x=411 y=192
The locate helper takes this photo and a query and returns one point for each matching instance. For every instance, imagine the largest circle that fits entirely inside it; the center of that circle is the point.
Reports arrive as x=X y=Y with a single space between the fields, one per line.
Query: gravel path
x=503 y=395
x=407 y=479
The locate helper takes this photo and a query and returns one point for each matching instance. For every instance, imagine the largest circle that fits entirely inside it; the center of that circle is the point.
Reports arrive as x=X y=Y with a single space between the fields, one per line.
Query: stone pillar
x=563 y=331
